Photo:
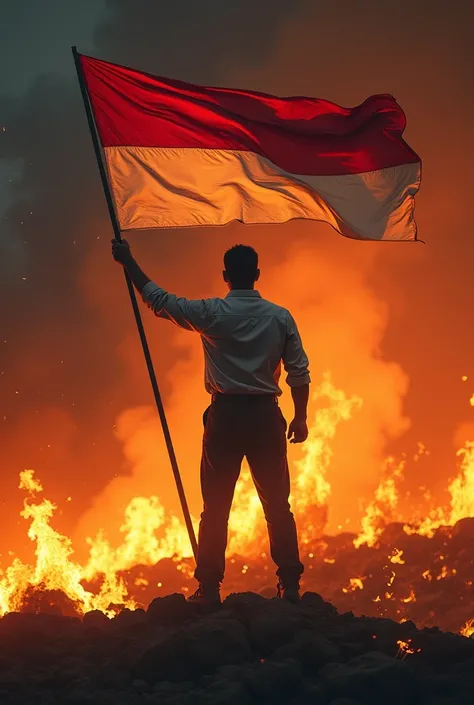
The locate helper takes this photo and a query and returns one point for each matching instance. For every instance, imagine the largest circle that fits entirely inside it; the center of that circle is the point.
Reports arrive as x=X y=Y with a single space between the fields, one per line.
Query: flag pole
x=133 y=299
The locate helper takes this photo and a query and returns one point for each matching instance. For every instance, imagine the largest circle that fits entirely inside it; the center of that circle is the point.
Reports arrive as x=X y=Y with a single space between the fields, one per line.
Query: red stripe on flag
x=300 y=135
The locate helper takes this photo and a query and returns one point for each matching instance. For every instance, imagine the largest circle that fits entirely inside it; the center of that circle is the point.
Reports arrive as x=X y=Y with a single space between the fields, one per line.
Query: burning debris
x=421 y=572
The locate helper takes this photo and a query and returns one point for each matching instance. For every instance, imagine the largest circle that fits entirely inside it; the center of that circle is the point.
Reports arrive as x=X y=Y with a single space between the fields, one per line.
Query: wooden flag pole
x=133 y=299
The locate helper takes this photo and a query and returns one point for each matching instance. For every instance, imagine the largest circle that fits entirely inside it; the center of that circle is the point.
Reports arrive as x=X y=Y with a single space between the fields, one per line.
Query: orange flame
x=468 y=628
x=354 y=584
x=54 y=569
x=311 y=488
x=405 y=648
x=461 y=490
x=150 y=534
x=380 y=511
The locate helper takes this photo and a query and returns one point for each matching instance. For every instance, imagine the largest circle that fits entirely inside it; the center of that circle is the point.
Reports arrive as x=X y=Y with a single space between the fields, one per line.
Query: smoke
x=59 y=348
x=193 y=41
x=76 y=403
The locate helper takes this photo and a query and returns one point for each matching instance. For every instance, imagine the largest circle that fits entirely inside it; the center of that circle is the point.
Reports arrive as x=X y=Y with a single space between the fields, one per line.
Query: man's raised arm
x=123 y=255
x=192 y=315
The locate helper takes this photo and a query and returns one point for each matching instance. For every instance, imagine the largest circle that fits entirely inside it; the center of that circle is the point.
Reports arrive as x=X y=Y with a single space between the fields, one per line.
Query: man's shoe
x=206 y=596
x=290 y=593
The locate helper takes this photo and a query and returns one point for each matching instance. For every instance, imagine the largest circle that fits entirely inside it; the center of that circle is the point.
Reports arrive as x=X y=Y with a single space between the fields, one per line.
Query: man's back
x=245 y=338
x=244 y=344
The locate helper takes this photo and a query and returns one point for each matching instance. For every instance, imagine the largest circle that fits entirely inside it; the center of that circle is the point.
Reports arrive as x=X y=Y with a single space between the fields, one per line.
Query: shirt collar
x=243 y=293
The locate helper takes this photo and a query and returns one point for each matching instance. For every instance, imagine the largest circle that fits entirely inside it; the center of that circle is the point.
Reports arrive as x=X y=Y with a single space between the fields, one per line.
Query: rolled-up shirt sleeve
x=295 y=360
x=189 y=314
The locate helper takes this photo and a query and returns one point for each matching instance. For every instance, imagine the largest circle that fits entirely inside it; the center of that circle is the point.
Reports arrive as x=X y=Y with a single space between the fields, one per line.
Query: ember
x=405 y=648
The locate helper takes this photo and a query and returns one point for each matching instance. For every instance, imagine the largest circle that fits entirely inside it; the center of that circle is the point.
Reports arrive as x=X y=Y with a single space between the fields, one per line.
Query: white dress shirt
x=245 y=339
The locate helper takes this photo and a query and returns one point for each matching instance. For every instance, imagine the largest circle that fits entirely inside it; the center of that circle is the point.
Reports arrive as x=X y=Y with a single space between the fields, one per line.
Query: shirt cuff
x=298 y=380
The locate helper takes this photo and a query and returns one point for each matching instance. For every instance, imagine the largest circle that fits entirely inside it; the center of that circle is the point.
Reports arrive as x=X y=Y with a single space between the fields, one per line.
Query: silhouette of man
x=245 y=339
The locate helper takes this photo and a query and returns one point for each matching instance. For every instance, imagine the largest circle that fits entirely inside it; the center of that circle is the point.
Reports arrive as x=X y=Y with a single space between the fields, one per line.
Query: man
x=245 y=339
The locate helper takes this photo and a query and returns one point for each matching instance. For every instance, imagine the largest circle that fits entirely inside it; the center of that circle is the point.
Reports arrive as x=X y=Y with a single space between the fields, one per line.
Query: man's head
x=241 y=267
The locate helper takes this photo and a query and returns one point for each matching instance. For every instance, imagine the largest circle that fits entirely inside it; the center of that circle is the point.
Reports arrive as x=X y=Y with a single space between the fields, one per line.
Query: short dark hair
x=241 y=265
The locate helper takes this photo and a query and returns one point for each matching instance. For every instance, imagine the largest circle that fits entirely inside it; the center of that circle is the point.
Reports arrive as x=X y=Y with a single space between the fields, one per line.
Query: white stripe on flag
x=156 y=187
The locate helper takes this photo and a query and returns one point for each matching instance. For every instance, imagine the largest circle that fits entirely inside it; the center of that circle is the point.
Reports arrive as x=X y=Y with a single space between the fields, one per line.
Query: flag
x=180 y=155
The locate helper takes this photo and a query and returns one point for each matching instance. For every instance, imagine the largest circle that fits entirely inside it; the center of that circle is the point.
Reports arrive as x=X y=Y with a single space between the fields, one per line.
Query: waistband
x=242 y=398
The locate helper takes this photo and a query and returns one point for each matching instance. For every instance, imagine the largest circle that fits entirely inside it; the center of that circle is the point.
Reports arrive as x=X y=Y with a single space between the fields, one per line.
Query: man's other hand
x=297 y=431
x=121 y=252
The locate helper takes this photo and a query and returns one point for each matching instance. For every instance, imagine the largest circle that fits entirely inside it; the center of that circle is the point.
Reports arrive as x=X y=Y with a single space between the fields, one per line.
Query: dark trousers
x=253 y=427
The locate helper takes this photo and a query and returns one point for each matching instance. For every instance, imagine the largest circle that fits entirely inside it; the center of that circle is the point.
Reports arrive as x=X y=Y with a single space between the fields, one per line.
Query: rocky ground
x=253 y=650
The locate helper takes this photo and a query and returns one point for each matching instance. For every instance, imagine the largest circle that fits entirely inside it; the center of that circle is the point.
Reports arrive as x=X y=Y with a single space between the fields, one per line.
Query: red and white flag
x=181 y=155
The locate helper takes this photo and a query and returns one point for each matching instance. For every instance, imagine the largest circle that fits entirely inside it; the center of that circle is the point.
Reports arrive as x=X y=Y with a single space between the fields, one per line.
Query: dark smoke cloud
x=59 y=365
x=194 y=41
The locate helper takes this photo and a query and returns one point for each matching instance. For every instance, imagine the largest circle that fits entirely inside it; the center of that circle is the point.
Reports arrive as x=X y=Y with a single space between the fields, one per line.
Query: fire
x=380 y=510
x=149 y=535
x=396 y=557
x=145 y=519
x=29 y=483
x=461 y=490
x=116 y=576
x=411 y=597
x=311 y=488
x=354 y=584
x=405 y=648
x=54 y=570
x=246 y=523
x=468 y=628
x=462 y=487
